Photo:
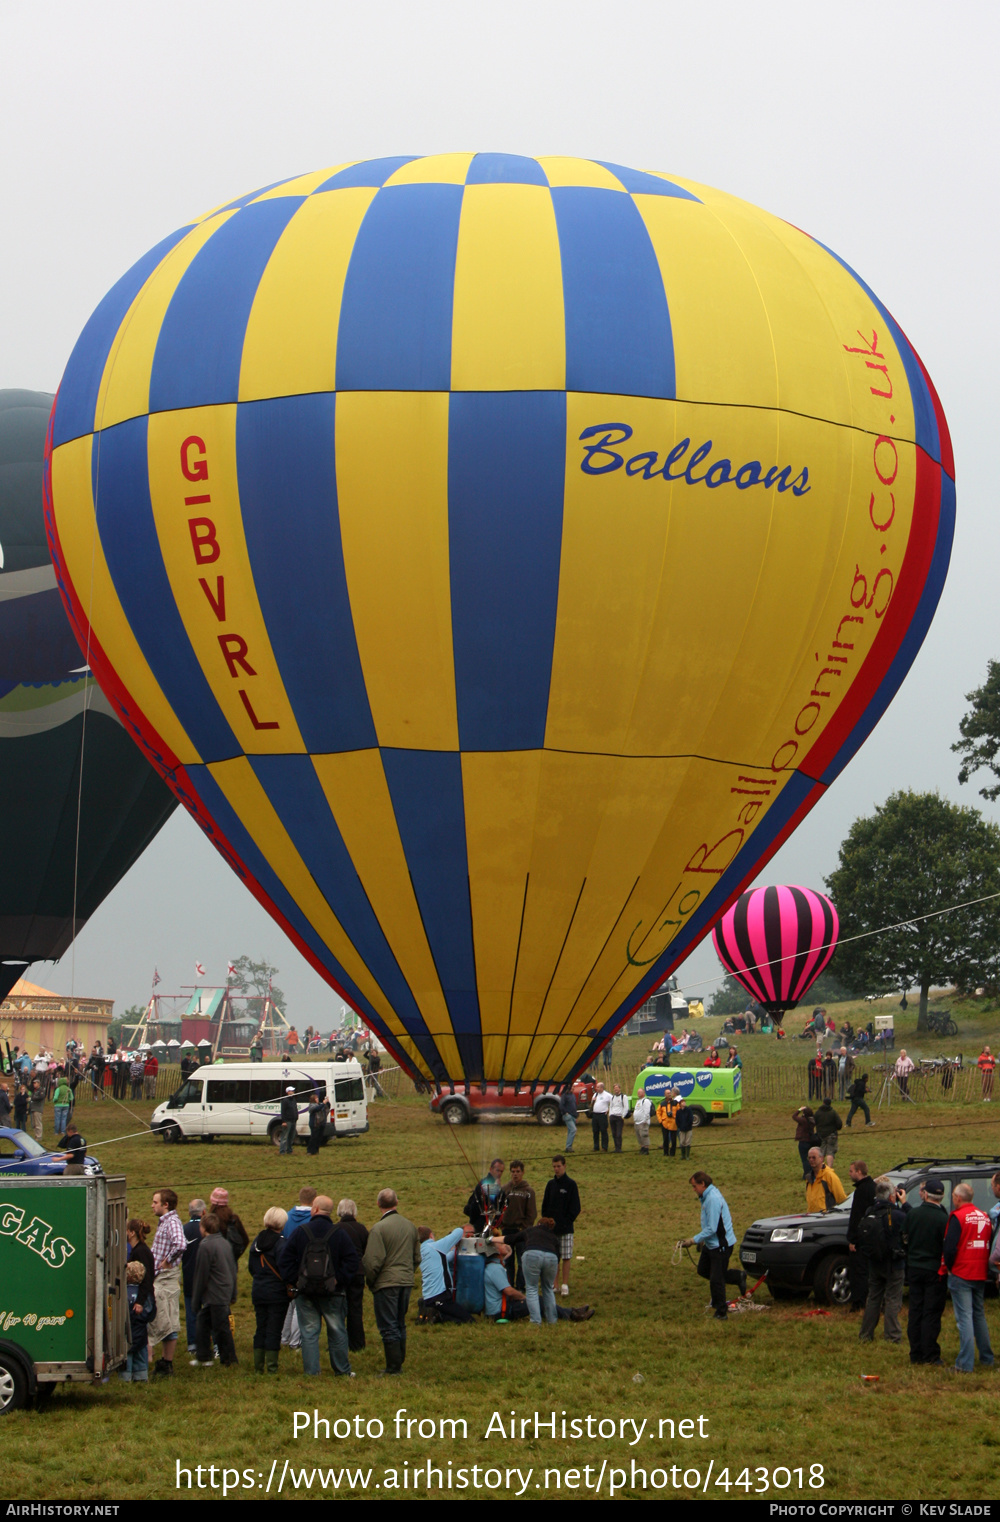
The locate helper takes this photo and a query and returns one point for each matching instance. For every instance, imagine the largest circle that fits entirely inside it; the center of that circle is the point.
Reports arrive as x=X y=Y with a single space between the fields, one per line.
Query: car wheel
x=274 y=1133
x=454 y=1113
x=831 y=1281
x=548 y=1114
x=171 y=1132
x=13 y=1384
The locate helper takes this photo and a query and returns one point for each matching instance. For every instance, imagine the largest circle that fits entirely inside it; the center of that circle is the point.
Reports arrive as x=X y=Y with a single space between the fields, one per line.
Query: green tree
x=916 y=854
x=256 y=979
x=730 y=998
x=980 y=742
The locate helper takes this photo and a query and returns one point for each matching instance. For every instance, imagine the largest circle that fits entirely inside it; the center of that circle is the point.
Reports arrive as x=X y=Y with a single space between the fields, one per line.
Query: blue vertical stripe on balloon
x=286 y=464
x=370 y=172
x=618 y=336
x=200 y=344
x=506 y=476
x=76 y=403
x=924 y=416
x=132 y=550
x=395 y=315
x=912 y=640
x=638 y=182
x=231 y=829
x=504 y=169
x=429 y=806
x=294 y=791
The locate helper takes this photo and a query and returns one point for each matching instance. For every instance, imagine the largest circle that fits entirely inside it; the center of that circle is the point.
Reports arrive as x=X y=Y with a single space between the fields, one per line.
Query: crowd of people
x=932 y=1250
x=311 y=1264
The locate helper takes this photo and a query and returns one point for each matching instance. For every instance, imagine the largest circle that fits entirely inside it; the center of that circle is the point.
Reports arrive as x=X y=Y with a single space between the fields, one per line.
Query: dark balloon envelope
x=776 y=942
x=45 y=693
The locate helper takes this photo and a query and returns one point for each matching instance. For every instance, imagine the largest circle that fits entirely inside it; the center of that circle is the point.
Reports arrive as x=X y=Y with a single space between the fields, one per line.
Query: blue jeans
x=540 y=1271
x=970 y=1316
x=61 y=1116
x=137 y=1365
x=312 y=1313
x=570 y=1132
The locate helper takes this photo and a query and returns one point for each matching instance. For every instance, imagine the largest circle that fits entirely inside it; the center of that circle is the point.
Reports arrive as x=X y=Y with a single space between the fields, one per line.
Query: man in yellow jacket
x=824 y=1189
x=666 y=1114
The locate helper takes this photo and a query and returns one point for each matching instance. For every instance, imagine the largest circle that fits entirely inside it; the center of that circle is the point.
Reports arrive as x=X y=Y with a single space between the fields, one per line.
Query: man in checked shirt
x=168 y=1250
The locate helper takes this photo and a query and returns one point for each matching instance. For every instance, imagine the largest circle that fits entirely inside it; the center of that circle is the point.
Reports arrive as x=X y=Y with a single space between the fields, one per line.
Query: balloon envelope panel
x=499 y=556
x=51 y=712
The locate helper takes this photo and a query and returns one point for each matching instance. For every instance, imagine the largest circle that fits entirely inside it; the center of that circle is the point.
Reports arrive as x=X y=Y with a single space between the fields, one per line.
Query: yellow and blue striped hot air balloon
x=498 y=556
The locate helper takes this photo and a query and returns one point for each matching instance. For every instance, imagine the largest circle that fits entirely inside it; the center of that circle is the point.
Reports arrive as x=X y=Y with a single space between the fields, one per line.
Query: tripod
x=890 y=1082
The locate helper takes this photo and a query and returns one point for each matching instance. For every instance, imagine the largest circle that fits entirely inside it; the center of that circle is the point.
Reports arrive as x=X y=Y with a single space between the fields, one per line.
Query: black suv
x=809 y=1252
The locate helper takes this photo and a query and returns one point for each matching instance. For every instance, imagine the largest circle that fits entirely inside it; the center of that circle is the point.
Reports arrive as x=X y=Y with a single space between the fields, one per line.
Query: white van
x=244 y=1099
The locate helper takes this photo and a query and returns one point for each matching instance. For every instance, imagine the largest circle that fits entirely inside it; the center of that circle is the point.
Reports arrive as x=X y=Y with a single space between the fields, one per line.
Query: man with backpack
x=857 y=1095
x=319 y=1261
x=880 y=1240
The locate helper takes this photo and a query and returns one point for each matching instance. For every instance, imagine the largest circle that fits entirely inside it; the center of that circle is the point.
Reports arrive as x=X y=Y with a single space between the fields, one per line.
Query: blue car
x=23 y=1157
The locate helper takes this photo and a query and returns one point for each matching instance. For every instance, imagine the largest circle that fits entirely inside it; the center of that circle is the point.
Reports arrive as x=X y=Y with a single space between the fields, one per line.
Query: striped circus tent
x=495 y=556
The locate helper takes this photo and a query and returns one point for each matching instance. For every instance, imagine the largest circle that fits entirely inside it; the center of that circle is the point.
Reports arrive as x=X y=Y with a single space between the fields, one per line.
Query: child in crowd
x=140 y=1314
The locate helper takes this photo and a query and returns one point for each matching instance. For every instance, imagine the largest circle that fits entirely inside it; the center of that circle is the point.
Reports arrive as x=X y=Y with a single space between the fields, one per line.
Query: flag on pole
x=199 y=970
x=231 y=970
x=156 y=976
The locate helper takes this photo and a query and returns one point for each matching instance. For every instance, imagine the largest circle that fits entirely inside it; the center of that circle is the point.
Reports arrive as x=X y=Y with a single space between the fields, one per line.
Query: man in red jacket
x=966 y=1254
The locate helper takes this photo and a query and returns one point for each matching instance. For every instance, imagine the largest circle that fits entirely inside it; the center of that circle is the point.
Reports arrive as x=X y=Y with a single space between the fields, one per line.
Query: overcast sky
x=873 y=127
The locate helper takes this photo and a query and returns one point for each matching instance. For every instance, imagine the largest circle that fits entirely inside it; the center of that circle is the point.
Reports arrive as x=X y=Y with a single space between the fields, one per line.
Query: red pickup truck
x=468 y=1102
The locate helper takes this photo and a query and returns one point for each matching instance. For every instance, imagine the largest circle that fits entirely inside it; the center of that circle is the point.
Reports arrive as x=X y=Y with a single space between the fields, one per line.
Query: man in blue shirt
x=716 y=1240
x=496 y=1285
x=437 y=1302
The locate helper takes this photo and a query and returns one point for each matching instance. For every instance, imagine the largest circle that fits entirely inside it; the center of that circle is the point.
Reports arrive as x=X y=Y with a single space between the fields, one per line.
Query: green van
x=709 y=1092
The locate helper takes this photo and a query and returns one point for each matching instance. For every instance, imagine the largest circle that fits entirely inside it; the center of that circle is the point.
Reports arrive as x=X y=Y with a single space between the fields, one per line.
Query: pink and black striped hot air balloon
x=776 y=942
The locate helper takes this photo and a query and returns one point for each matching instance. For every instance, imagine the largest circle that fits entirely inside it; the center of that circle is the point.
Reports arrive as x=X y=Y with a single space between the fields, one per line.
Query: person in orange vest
x=986 y=1064
x=966 y=1254
x=666 y=1114
x=292 y=1039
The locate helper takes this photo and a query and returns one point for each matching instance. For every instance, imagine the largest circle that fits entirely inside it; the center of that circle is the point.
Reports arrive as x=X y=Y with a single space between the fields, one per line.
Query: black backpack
x=317 y=1277
x=873 y=1235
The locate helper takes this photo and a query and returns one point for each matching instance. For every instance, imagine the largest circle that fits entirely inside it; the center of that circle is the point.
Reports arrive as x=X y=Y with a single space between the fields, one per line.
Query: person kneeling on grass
x=503 y=1302
x=212 y=1293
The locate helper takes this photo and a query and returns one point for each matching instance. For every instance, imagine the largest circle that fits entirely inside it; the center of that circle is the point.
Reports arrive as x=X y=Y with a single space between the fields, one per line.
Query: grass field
x=780 y=1387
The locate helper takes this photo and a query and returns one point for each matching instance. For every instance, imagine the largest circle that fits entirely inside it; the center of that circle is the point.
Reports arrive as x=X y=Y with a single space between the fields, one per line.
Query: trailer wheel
x=700 y=1117
x=13 y=1384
